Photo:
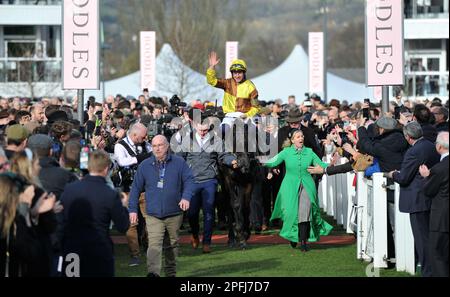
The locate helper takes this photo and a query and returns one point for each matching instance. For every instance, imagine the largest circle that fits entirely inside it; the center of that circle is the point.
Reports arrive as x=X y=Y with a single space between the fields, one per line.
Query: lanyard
x=162 y=170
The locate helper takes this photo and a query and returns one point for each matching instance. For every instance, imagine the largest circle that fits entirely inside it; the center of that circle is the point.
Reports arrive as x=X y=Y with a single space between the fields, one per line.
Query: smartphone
x=397 y=112
x=84 y=158
x=366 y=113
x=98 y=131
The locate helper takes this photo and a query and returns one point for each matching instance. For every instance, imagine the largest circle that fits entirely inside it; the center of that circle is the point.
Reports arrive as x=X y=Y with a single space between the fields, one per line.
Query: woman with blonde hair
x=296 y=203
x=19 y=246
x=43 y=211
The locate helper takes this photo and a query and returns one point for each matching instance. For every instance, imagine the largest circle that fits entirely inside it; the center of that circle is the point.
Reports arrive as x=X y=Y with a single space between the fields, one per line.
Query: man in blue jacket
x=412 y=200
x=168 y=184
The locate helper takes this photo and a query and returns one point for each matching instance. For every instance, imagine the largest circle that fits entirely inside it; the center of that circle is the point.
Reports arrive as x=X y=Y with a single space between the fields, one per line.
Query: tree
x=192 y=28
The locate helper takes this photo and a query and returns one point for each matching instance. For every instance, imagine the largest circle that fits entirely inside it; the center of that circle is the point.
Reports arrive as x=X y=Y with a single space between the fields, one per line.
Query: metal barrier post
x=404 y=240
x=351 y=200
x=379 y=220
x=362 y=232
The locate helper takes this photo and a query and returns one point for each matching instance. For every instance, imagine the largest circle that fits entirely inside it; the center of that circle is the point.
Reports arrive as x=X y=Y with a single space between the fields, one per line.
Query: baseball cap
x=17 y=132
x=40 y=141
x=307 y=103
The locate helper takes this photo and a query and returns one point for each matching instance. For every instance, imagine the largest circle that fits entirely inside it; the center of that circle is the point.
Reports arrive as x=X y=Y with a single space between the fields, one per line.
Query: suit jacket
x=411 y=182
x=429 y=132
x=89 y=207
x=436 y=187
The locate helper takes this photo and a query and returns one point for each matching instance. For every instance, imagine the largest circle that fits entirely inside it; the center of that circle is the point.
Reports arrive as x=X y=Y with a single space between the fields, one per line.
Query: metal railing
x=363 y=210
x=425 y=12
x=30 y=70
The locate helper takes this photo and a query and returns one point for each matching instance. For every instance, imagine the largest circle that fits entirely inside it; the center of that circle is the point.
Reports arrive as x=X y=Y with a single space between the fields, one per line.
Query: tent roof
x=289 y=78
x=172 y=78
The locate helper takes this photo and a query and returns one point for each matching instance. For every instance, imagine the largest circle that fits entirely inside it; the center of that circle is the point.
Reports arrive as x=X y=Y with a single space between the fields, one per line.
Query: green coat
x=286 y=205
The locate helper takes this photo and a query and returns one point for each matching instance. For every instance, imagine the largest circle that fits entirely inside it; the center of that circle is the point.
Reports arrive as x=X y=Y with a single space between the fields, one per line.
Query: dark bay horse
x=238 y=184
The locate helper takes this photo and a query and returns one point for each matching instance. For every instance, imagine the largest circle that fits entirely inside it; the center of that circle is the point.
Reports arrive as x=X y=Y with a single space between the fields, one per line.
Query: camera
x=90 y=102
x=284 y=114
x=175 y=100
x=175 y=104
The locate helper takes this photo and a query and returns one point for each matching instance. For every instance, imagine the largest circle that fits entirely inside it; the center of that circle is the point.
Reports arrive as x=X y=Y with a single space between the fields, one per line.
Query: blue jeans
x=203 y=197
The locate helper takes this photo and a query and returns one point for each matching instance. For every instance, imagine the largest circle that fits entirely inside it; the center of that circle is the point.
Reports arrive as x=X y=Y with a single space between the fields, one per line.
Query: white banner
x=81 y=44
x=232 y=53
x=148 y=60
x=316 y=63
x=378 y=93
x=384 y=43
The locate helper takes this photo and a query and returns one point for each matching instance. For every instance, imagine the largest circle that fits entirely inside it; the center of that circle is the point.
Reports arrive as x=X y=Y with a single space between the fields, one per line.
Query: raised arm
x=211 y=78
x=277 y=160
x=213 y=60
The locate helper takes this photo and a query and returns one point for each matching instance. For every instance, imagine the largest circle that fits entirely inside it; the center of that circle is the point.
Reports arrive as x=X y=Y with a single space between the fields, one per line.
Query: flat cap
x=386 y=123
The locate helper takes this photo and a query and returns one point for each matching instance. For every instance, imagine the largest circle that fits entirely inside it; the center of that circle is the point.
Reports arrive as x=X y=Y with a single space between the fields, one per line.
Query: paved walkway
x=260 y=239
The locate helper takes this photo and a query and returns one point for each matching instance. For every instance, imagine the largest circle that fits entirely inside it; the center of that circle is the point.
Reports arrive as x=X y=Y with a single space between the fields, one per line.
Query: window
x=19 y=30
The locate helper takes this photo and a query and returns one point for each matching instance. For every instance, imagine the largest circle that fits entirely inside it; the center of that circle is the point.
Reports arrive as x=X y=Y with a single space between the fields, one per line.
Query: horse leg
x=247 y=196
x=232 y=233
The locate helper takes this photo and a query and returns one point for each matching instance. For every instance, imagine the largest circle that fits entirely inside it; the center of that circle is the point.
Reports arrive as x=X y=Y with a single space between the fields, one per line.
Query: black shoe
x=304 y=247
x=293 y=244
x=231 y=243
x=243 y=246
x=151 y=274
x=134 y=261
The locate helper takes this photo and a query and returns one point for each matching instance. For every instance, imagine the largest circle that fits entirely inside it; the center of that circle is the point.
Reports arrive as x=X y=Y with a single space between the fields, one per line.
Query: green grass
x=260 y=261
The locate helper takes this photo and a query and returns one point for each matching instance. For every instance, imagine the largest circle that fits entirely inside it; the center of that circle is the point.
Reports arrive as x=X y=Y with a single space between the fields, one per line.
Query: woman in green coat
x=296 y=202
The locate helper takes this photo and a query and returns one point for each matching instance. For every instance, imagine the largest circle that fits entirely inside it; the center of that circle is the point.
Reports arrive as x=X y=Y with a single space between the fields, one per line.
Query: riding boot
x=303 y=235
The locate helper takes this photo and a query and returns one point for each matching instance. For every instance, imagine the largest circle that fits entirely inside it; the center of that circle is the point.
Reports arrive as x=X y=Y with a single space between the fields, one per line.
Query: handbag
x=362 y=162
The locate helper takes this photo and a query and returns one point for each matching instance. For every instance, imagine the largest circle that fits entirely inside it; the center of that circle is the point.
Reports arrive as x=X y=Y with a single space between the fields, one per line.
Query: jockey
x=241 y=97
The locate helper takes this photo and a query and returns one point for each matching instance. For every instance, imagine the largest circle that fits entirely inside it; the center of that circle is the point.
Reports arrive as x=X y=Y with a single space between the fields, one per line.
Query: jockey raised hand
x=241 y=95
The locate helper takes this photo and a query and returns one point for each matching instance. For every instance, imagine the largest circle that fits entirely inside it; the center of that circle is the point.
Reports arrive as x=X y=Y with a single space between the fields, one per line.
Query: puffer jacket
x=388 y=148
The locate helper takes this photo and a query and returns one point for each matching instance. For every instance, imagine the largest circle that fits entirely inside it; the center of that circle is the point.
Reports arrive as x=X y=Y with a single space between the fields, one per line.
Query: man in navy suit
x=89 y=207
x=436 y=188
x=412 y=200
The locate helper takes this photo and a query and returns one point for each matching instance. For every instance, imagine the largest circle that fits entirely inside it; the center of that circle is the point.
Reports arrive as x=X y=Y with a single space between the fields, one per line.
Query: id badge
x=160 y=185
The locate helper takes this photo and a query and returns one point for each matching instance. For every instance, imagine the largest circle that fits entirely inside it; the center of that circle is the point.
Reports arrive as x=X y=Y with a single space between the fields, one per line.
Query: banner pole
x=80 y=96
x=385 y=100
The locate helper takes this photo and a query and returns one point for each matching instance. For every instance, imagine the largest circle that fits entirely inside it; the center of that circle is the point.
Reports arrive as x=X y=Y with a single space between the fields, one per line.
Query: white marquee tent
x=290 y=78
x=172 y=77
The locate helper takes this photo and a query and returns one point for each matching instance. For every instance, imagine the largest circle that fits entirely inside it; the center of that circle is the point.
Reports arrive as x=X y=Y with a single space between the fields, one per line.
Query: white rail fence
x=363 y=210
